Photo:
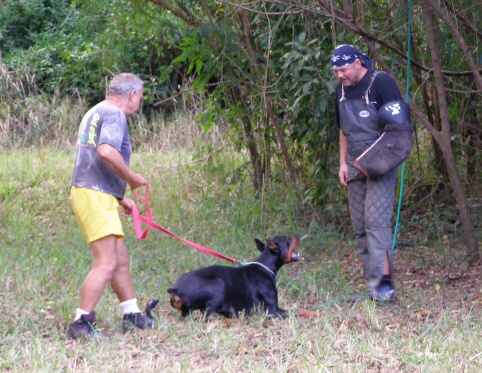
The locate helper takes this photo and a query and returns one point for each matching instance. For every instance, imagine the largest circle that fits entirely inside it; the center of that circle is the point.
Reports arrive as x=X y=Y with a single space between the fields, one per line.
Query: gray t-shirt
x=103 y=124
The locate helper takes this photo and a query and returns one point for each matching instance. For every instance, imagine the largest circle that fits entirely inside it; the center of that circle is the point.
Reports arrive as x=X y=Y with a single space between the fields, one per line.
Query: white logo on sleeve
x=395 y=109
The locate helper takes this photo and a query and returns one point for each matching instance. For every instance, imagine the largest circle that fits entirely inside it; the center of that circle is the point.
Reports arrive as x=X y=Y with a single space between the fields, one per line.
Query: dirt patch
x=425 y=284
x=425 y=292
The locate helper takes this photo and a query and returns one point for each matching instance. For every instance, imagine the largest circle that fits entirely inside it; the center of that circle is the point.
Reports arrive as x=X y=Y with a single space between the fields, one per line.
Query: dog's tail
x=150 y=305
x=176 y=300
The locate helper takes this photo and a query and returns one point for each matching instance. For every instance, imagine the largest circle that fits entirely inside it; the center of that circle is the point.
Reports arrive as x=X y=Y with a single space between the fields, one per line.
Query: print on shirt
x=88 y=133
x=395 y=108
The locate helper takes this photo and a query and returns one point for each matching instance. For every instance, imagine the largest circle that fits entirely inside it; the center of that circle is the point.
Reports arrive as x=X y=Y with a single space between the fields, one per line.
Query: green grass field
x=433 y=326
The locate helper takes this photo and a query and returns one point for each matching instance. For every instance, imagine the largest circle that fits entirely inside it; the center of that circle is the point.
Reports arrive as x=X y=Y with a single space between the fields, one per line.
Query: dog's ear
x=273 y=246
x=259 y=245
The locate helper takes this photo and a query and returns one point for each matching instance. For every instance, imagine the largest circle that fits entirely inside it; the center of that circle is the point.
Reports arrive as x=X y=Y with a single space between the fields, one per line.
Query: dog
x=231 y=290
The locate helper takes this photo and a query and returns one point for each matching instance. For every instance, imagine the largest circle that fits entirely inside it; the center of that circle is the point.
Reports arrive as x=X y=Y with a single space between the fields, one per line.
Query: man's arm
x=343 y=173
x=387 y=90
x=113 y=160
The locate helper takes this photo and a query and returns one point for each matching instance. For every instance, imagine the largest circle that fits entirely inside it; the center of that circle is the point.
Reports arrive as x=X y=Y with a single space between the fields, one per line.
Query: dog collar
x=261 y=265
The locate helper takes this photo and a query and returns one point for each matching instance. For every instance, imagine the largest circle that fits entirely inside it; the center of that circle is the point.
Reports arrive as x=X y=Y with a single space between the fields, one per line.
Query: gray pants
x=371 y=210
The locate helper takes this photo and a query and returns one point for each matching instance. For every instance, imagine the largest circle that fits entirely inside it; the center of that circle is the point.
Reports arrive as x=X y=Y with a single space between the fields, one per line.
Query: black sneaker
x=138 y=320
x=384 y=293
x=83 y=327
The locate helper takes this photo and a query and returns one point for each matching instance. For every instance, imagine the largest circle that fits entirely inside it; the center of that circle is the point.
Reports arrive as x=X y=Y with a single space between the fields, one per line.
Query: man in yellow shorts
x=101 y=174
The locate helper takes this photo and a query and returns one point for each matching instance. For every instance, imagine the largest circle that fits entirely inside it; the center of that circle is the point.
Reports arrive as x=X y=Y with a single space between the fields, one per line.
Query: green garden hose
x=402 y=177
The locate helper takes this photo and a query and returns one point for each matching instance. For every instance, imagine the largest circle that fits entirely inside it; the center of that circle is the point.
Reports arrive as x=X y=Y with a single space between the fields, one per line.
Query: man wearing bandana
x=360 y=93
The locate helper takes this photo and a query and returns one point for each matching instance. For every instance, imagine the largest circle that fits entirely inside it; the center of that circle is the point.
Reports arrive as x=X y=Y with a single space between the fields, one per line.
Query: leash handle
x=147 y=220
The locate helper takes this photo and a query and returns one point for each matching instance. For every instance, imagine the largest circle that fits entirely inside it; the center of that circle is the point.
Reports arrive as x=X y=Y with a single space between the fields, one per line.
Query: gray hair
x=123 y=84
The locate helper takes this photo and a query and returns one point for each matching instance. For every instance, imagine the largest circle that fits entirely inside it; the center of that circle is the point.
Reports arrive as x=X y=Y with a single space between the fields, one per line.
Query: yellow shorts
x=97 y=213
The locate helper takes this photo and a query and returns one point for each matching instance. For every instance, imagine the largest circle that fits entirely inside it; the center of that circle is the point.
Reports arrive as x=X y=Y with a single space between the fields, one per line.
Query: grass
x=199 y=193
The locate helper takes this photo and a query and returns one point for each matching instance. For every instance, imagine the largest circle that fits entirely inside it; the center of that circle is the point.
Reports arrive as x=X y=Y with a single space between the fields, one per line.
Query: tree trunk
x=259 y=167
x=270 y=112
x=442 y=137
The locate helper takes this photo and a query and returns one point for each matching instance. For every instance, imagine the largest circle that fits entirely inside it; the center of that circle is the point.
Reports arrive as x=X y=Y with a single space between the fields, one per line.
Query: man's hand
x=126 y=204
x=343 y=175
x=136 y=180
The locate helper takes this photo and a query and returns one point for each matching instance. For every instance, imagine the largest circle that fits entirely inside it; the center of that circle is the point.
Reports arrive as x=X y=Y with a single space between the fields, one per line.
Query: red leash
x=149 y=223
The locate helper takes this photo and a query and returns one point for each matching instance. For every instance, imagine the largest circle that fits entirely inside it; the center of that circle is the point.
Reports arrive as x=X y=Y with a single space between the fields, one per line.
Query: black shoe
x=83 y=327
x=138 y=320
x=384 y=293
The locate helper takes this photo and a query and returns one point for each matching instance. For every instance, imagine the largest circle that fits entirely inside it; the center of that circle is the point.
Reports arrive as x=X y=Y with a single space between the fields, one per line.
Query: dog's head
x=281 y=246
x=175 y=299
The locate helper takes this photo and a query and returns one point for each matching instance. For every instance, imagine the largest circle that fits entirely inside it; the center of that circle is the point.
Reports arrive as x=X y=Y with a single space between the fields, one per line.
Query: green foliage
x=22 y=22
x=291 y=67
x=59 y=58
x=196 y=55
x=60 y=63
x=309 y=108
x=76 y=51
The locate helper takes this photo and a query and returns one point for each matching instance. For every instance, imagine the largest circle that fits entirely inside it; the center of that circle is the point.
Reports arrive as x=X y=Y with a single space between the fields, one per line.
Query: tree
x=443 y=137
x=249 y=61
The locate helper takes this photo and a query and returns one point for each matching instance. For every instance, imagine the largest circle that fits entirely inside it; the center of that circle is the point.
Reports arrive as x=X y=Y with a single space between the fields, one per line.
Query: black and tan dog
x=230 y=290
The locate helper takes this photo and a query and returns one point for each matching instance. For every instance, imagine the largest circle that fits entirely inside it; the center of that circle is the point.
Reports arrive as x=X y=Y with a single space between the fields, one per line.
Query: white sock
x=79 y=313
x=129 y=306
